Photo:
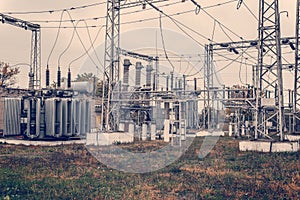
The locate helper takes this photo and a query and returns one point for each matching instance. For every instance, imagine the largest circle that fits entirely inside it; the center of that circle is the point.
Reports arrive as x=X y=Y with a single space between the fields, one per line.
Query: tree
x=86 y=77
x=7 y=75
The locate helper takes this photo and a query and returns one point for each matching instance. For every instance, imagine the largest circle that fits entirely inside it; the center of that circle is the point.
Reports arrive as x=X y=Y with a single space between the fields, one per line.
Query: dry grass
x=70 y=172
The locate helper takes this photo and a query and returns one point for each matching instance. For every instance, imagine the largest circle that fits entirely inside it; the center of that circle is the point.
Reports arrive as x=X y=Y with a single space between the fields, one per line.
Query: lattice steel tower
x=269 y=101
x=111 y=58
x=35 y=60
x=296 y=103
x=35 y=57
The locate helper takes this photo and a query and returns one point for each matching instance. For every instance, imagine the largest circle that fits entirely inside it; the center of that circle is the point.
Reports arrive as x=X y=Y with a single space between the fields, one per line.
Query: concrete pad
x=167 y=130
x=208 y=133
x=41 y=143
x=292 y=137
x=285 y=147
x=268 y=146
x=104 y=139
x=259 y=146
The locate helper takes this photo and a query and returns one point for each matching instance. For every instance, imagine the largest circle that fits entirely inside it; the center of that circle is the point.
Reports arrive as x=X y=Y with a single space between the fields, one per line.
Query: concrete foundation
x=268 y=146
x=103 y=139
x=292 y=137
x=41 y=143
x=209 y=133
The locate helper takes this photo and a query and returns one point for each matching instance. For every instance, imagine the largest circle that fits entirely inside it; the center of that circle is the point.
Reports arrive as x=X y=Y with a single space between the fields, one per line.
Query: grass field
x=70 y=172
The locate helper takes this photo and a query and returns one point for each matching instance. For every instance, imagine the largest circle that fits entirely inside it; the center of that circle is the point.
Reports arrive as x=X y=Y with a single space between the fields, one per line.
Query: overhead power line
x=54 y=10
x=132 y=12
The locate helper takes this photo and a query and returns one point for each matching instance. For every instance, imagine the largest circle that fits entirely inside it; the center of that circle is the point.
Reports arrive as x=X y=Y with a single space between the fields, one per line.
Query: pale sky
x=15 y=42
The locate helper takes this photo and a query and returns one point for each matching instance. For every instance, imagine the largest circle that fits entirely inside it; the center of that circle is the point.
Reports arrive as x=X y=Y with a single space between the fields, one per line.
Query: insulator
x=69 y=79
x=126 y=71
x=184 y=82
x=172 y=80
x=148 y=75
x=31 y=80
x=58 y=78
x=167 y=83
x=154 y=83
x=138 y=69
x=47 y=77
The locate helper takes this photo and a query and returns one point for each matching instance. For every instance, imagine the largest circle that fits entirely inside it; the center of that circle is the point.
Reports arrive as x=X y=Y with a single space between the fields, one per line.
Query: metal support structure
x=246 y=44
x=140 y=56
x=35 y=57
x=208 y=85
x=35 y=61
x=296 y=102
x=111 y=59
x=270 y=77
x=112 y=56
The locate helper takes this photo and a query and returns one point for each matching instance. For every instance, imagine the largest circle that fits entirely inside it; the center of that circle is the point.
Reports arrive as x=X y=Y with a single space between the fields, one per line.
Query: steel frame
x=35 y=57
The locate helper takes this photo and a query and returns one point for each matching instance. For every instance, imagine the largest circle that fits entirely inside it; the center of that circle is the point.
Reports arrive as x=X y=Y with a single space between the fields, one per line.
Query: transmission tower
x=296 y=103
x=269 y=108
x=111 y=58
x=208 y=84
x=35 y=58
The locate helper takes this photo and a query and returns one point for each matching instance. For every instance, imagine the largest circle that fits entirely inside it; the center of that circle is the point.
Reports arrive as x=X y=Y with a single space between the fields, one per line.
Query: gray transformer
x=39 y=118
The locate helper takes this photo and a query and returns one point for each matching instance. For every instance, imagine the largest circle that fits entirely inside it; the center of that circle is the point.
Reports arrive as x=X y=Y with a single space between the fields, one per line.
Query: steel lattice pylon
x=35 y=60
x=208 y=84
x=296 y=103
x=111 y=59
x=269 y=76
x=35 y=57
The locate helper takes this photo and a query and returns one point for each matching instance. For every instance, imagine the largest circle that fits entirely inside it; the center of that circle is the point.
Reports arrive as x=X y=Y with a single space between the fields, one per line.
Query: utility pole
x=270 y=77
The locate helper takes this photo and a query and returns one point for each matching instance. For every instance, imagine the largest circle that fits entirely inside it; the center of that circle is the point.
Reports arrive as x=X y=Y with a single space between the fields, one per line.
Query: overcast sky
x=15 y=42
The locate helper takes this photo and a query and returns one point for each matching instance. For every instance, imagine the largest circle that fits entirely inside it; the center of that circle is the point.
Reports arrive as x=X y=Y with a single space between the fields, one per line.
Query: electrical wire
x=163 y=43
x=197 y=72
x=156 y=18
x=250 y=11
x=221 y=26
x=226 y=66
x=240 y=69
x=176 y=14
x=81 y=42
x=92 y=43
x=67 y=20
x=54 y=10
x=79 y=57
x=103 y=17
x=123 y=23
x=56 y=39
x=68 y=46
x=235 y=60
x=240 y=37
x=176 y=22
x=216 y=74
x=225 y=32
x=14 y=65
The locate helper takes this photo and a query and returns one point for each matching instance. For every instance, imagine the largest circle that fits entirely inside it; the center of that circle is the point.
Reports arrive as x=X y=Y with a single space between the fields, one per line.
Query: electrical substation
x=139 y=102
